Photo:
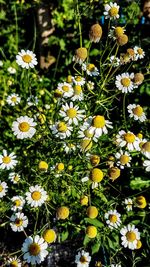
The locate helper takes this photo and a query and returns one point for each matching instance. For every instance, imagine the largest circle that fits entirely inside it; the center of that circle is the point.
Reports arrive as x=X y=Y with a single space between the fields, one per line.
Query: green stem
x=124 y=110
x=37 y=215
x=103 y=84
x=79 y=23
x=16 y=21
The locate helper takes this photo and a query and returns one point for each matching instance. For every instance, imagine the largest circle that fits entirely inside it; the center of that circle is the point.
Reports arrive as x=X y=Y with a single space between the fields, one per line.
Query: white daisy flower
x=14 y=177
x=69 y=147
x=17 y=203
x=130 y=236
x=13 y=99
x=71 y=113
x=136 y=112
x=111 y=11
x=128 y=139
x=77 y=93
x=124 y=82
x=36 y=196
x=112 y=219
x=129 y=204
x=1 y=63
x=14 y=262
x=90 y=85
x=90 y=69
x=3 y=189
x=18 y=222
x=34 y=249
x=115 y=61
x=11 y=70
x=139 y=53
x=145 y=149
x=23 y=127
x=78 y=80
x=32 y=100
x=98 y=126
x=123 y=159
x=26 y=59
x=66 y=89
x=115 y=32
x=61 y=129
x=146 y=163
x=7 y=161
x=82 y=259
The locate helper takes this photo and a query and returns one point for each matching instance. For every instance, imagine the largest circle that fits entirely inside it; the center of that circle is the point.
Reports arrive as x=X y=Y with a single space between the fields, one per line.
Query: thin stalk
x=57 y=61
x=37 y=215
x=34 y=36
x=124 y=110
x=16 y=22
x=79 y=23
x=103 y=84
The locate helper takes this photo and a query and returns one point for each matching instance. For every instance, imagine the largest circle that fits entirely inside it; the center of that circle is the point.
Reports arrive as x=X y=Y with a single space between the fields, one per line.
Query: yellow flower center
x=72 y=113
x=14 y=99
x=90 y=67
x=131 y=236
x=140 y=51
x=65 y=88
x=81 y=53
x=27 y=58
x=77 y=89
x=96 y=175
x=36 y=195
x=114 y=173
x=16 y=178
x=113 y=11
x=129 y=137
x=119 y=31
x=84 y=200
x=124 y=159
x=141 y=202
x=24 y=126
x=1 y=188
x=14 y=264
x=98 y=121
x=6 y=160
x=18 y=222
x=140 y=136
x=63 y=212
x=91 y=231
x=88 y=134
x=113 y=218
x=92 y=212
x=146 y=146
x=49 y=236
x=139 y=244
x=60 y=166
x=62 y=127
x=86 y=144
x=138 y=111
x=43 y=165
x=17 y=202
x=78 y=78
x=83 y=259
x=125 y=81
x=95 y=160
x=34 y=249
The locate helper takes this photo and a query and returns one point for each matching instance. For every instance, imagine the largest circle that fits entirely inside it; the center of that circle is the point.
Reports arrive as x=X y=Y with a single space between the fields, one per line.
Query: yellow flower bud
x=43 y=166
x=91 y=231
x=62 y=213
